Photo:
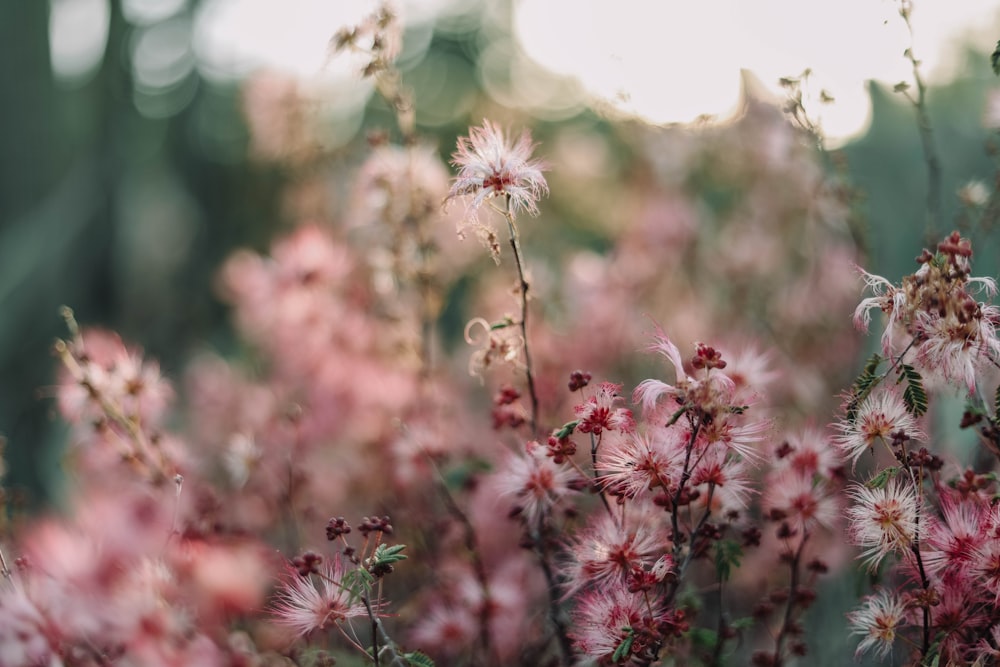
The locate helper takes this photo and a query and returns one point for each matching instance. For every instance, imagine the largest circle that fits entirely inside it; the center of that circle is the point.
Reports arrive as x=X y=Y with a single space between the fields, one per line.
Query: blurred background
x=129 y=169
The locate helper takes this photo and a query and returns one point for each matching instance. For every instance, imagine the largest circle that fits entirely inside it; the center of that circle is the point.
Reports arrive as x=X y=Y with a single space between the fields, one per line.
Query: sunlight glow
x=666 y=61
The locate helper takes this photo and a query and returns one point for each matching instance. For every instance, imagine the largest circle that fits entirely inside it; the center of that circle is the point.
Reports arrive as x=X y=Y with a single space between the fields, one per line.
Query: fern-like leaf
x=418 y=659
x=863 y=386
x=914 y=395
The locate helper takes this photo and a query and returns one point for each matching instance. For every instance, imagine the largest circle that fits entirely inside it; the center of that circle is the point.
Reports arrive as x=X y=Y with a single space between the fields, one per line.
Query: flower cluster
x=934 y=317
x=540 y=516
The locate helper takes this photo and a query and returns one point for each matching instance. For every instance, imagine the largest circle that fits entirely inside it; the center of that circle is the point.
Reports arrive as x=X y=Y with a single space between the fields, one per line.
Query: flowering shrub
x=677 y=502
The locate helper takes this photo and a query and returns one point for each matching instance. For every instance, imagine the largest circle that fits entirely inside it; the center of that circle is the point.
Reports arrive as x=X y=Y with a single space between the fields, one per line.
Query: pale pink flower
x=752 y=372
x=447 y=630
x=491 y=165
x=303 y=606
x=608 y=550
x=955 y=350
x=880 y=415
x=878 y=621
x=728 y=474
x=888 y=298
x=537 y=483
x=27 y=636
x=741 y=438
x=634 y=463
x=952 y=542
x=604 y=618
x=986 y=564
x=810 y=451
x=883 y=520
x=809 y=499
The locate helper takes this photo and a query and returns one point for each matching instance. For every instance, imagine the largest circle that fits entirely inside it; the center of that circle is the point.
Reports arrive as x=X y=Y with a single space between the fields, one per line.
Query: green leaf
x=995 y=60
x=418 y=659
x=386 y=555
x=914 y=395
x=728 y=554
x=881 y=479
x=863 y=385
x=996 y=403
x=625 y=647
x=566 y=430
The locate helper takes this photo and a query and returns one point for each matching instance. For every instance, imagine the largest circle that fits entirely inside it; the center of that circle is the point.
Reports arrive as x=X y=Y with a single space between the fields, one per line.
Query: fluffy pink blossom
x=883 y=520
x=878 y=621
x=304 y=606
x=634 y=463
x=491 y=165
x=952 y=542
x=604 y=619
x=878 y=417
x=536 y=483
x=808 y=499
x=600 y=412
x=609 y=549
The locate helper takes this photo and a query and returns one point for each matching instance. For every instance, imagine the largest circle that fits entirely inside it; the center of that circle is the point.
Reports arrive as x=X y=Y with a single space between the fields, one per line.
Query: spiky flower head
x=305 y=606
x=883 y=520
x=492 y=165
x=882 y=416
x=877 y=621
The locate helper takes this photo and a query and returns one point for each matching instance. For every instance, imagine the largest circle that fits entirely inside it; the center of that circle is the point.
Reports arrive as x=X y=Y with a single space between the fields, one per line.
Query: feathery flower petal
x=491 y=165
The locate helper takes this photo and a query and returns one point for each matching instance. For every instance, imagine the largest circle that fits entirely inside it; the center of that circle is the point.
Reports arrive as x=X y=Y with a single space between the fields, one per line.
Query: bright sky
x=666 y=60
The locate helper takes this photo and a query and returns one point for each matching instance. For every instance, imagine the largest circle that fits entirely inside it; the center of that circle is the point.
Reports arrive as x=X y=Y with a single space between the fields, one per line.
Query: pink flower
x=489 y=165
x=607 y=618
x=878 y=621
x=598 y=413
x=953 y=543
x=808 y=498
x=878 y=417
x=883 y=520
x=637 y=462
x=953 y=350
x=608 y=551
x=537 y=483
x=729 y=476
x=886 y=297
x=304 y=607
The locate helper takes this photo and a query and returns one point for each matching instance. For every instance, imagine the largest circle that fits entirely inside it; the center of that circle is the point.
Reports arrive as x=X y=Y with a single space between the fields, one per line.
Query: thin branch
x=565 y=646
x=515 y=245
x=931 y=157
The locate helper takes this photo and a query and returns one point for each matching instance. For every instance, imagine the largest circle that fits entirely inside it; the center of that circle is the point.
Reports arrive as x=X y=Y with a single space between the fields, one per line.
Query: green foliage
x=566 y=430
x=863 y=385
x=386 y=555
x=703 y=637
x=880 y=480
x=996 y=402
x=914 y=396
x=625 y=647
x=418 y=659
x=728 y=554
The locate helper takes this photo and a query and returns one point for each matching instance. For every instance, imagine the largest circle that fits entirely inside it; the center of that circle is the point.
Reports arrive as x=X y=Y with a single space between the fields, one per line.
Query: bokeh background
x=130 y=167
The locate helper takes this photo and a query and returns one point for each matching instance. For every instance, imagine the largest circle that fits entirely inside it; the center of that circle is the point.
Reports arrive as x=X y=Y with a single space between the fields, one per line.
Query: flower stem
x=523 y=285
x=931 y=157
